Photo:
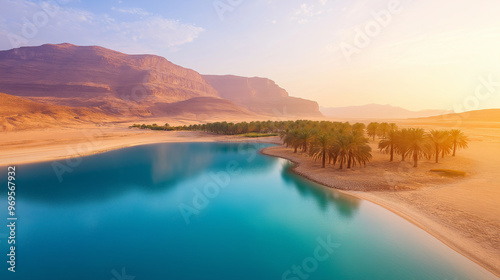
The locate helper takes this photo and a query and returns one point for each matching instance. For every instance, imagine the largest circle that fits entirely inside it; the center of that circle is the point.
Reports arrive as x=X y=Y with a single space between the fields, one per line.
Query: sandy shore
x=464 y=213
x=51 y=144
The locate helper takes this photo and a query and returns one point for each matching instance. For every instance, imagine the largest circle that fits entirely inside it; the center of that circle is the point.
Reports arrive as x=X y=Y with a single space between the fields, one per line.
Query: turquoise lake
x=207 y=211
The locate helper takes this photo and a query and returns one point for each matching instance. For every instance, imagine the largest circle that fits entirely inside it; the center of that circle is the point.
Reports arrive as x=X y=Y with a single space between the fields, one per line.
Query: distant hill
x=376 y=111
x=21 y=113
x=262 y=96
x=487 y=115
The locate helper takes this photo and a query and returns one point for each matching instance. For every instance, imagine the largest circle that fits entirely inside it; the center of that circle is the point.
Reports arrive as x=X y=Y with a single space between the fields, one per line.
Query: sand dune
x=376 y=112
x=470 y=118
x=19 y=113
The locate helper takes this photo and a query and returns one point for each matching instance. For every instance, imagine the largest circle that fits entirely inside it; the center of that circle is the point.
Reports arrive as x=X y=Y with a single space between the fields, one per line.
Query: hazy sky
x=418 y=54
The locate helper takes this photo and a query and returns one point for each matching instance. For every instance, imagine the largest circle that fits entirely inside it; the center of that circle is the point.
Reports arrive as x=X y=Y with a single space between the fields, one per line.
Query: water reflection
x=345 y=205
x=266 y=227
x=152 y=168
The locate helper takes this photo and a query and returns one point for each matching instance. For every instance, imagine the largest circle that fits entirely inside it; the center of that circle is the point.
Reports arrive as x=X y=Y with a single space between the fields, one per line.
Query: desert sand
x=464 y=213
x=47 y=144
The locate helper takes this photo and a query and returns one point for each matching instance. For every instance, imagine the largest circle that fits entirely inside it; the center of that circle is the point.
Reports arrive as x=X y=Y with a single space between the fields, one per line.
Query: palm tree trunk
x=437 y=154
x=349 y=162
x=324 y=158
x=392 y=152
x=454 y=148
x=295 y=149
x=415 y=159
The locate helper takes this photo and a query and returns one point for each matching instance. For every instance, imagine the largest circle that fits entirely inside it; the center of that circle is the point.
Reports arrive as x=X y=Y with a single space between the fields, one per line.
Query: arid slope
x=21 y=113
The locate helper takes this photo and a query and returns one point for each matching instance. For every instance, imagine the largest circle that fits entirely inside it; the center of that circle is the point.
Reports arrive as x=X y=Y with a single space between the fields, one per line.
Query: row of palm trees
x=379 y=129
x=331 y=142
x=335 y=142
x=416 y=143
x=230 y=128
x=345 y=143
x=225 y=128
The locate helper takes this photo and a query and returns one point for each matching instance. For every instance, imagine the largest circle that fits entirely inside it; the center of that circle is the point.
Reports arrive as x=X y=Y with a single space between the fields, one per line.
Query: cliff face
x=69 y=71
x=262 y=96
x=122 y=85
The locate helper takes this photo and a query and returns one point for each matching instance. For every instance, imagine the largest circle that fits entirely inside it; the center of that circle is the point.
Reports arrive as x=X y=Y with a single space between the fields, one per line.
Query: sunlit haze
x=419 y=54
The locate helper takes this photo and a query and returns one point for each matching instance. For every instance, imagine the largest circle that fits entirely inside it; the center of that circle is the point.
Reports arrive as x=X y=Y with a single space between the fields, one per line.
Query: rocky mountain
x=376 y=111
x=202 y=108
x=97 y=77
x=131 y=86
x=262 y=96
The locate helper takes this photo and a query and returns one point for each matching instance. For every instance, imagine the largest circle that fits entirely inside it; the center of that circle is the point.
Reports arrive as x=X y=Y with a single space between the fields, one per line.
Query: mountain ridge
x=121 y=84
x=262 y=95
x=61 y=70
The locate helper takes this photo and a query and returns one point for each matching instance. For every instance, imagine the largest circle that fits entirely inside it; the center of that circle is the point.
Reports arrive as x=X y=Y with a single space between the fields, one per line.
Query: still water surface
x=207 y=211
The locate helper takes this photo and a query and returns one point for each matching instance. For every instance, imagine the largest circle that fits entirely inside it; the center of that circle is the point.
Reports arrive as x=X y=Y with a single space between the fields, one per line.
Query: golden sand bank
x=464 y=213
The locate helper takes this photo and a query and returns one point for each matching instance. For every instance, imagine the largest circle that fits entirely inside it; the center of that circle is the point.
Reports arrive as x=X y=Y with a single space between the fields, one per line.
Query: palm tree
x=305 y=138
x=383 y=129
x=360 y=127
x=393 y=126
x=320 y=147
x=447 y=145
x=342 y=144
x=351 y=149
x=291 y=139
x=283 y=134
x=418 y=144
x=334 y=151
x=360 y=151
x=458 y=140
x=402 y=144
x=371 y=129
x=387 y=145
x=363 y=154
x=438 y=140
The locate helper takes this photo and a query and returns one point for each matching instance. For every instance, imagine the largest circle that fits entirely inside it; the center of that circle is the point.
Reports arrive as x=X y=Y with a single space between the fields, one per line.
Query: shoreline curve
x=416 y=219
